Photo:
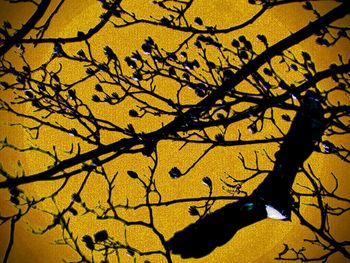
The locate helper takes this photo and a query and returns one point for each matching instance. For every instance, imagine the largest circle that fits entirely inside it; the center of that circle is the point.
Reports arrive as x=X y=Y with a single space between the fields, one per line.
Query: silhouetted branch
x=14 y=219
x=20 y=34
x=19 y=37
x=201 y=93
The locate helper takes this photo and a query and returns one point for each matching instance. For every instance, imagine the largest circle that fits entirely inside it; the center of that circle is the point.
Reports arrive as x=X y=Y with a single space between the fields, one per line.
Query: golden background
x=257 y=243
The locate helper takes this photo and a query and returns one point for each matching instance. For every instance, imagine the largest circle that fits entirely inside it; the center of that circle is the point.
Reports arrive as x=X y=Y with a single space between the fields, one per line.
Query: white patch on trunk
x=273 y=213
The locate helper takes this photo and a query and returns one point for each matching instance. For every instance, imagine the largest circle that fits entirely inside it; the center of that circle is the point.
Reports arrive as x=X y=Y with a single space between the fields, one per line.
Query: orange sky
x=257 y=243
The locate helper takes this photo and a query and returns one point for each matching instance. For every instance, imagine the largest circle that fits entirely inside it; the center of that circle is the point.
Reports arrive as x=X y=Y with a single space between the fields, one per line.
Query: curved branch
x=20 y=34
x=18 y=38
x=190 y=29
x=178 y=123
x=276 y=101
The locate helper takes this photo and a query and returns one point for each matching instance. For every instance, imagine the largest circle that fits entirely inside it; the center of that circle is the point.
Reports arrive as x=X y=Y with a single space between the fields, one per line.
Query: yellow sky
x=257 y=243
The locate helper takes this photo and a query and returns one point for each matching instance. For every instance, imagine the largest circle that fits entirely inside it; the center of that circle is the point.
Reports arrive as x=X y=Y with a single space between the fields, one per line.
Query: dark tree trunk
x=273 y=194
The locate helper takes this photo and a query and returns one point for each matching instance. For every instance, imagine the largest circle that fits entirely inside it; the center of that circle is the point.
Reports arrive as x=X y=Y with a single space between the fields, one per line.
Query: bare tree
x=100 y=138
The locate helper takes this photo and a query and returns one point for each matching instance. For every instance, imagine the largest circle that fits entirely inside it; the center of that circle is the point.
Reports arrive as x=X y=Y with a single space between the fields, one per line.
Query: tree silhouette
x=102 y=129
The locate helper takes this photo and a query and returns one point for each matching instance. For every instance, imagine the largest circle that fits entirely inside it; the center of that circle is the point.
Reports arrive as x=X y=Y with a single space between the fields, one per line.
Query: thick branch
x=178 y=123
x=20 y=34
